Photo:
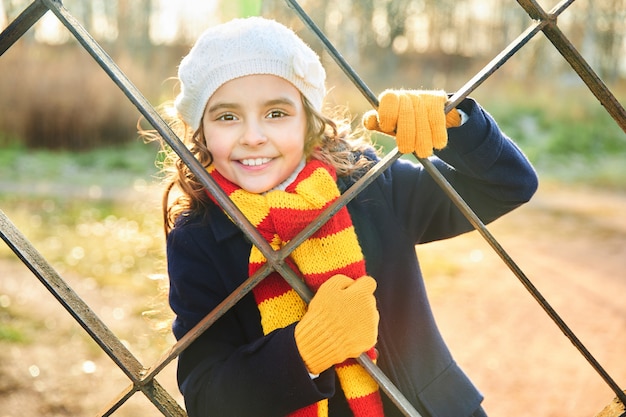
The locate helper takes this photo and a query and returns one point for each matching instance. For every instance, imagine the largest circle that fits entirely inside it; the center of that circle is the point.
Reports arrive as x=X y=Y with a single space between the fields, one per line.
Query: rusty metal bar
x=144 y=380
x=577 y=62
x=22 y=23
x=614 y=108
x=118 y=401
x=494 y=65
x=527 y=283
x=543 y=24
x=586 y=73
x=81 y=312
x=157 y=395
x=74 y=305
x=146 y=109
x=162 y=399
x=334 y=53
x=275 y=259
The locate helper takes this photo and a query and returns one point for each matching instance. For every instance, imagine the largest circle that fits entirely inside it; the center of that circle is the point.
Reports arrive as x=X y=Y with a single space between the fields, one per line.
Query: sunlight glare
x=50 y=30
x=196 y=15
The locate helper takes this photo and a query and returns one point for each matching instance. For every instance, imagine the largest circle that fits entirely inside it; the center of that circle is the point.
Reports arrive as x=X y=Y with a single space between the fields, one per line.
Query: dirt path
x=570 y=243
x=572 y=246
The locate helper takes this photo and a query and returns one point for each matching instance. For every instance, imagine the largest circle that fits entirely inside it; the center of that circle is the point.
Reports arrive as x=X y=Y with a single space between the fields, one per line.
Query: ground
x=572 y=246
x=570 y=242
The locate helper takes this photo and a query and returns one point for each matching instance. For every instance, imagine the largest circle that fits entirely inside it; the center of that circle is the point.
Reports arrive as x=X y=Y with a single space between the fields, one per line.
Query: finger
x=453 y=118
x=423 y=137
x=405 y=131
x=366 y=284
x=437 y=120
x=370 y=120
x=388 y=106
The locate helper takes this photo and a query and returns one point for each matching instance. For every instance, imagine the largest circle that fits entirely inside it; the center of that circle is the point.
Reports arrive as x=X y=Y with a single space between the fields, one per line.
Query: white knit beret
x=241 y=47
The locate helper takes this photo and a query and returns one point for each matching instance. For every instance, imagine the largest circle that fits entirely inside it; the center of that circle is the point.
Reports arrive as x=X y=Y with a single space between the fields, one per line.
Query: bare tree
x=610 y=29
x=133 y=22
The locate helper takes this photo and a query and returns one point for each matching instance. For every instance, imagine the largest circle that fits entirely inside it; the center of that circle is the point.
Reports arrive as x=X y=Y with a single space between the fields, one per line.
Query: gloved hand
x=416 y=118
x=341 y=322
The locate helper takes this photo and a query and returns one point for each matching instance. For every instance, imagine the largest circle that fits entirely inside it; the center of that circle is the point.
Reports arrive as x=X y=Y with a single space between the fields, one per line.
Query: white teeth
x=255 y=162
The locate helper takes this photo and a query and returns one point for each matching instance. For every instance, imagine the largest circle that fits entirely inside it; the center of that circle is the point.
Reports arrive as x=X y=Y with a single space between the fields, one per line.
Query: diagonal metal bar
x=576 y=60
x=334 y=53
x=232 y=299
x=527 y=283
x=614 y=108
x=162 y=399
x=157 y=395
x=494 y=65
x=274 y=258
x=451 y=192
x=81 y=312
x=118 y=401
x=74 y=305
x=547 y=23
x=244 y=288
x=502 y=57
x=22 y=23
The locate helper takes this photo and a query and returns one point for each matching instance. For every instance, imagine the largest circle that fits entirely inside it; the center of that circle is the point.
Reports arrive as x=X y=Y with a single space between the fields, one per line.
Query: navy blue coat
x=234 y=370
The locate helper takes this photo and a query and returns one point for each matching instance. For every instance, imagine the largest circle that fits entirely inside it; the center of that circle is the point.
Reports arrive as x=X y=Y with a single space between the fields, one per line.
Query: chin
x=257 y=189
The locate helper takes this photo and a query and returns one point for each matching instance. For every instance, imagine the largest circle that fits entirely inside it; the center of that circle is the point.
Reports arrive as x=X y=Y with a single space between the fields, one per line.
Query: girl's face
x=255 y=130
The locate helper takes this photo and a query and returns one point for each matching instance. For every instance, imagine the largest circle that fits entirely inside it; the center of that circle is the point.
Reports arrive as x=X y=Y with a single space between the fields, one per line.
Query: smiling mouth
x=253 y=162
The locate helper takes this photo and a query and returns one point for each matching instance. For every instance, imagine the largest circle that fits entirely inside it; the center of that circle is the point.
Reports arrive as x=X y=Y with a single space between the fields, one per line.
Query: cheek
x=293 y=146
x=213 y=142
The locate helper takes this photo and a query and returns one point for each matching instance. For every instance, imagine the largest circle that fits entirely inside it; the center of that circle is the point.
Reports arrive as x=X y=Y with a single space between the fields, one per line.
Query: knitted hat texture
x=241 y=47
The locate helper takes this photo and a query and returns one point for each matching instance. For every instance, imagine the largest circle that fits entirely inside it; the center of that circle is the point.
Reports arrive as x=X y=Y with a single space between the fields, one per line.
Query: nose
x=253 y=135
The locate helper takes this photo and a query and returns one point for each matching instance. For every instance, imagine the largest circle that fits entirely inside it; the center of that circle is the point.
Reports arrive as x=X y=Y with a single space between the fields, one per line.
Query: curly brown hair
x=329 y=139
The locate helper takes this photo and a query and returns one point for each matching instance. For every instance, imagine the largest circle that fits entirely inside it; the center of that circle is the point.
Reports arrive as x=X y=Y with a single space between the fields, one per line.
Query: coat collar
x=221 y=225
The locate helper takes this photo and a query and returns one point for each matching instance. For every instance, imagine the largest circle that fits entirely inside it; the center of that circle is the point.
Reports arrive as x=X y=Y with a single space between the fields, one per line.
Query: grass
x=114 y=167
x=95 y=214
x=11 y=334
x=565 y=132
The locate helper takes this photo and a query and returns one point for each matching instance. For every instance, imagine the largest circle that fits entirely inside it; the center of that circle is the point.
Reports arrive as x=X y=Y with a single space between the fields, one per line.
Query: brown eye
x=227 y=117
x=275 y=114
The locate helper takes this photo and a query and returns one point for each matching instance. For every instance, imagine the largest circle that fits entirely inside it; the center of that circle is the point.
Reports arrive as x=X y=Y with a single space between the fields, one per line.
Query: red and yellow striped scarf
x=333 y=249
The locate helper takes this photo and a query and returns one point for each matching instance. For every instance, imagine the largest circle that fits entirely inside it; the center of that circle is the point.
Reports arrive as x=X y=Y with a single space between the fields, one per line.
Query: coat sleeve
x=484 y=166
x=232 y=369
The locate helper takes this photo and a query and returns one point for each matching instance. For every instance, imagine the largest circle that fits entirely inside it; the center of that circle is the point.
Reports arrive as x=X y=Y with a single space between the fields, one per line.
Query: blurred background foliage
x=55 y=97
x=79 y=184
x=67 y=131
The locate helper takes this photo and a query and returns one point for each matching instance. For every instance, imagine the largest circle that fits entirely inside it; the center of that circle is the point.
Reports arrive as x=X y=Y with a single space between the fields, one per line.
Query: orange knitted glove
x=416 y=118
x=341 y=322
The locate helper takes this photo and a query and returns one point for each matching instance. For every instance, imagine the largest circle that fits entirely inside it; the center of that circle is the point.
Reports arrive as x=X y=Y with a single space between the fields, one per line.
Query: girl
x=251 y=107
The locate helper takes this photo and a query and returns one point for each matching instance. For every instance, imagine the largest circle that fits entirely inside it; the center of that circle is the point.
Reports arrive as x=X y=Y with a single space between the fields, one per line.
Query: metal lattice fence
x=142 y=378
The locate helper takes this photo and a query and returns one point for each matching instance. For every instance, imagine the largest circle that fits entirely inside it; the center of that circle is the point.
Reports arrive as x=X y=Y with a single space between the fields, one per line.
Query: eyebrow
x=269 y=103
x=222 y=105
